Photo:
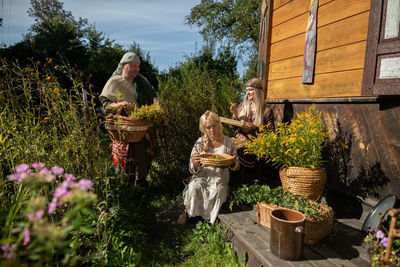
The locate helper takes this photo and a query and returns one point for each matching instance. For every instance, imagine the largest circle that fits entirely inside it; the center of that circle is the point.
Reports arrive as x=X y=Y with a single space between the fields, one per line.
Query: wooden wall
x=342 y=27
x=363 y=153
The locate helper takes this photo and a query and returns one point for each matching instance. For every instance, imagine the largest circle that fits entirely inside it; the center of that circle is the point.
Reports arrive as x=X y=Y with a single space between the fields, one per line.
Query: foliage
x=43 y=233
x=377 y=240
x=235 y=21
x=57 y=34
x=42 y=121
x=277 y=196
x=210 y=240
x=185 y=96
x=298 y=143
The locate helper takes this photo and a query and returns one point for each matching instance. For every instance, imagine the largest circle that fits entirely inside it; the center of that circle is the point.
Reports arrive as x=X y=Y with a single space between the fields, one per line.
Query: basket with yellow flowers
x=133 y=128
x=296 y=148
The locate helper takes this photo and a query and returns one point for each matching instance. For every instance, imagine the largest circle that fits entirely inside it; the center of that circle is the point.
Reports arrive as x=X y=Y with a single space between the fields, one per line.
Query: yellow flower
x=314 y=131
x=48 y=78
x=297 y=151
x=46 y=119
x=287 y=151
x=56 y=90
x=302 y=139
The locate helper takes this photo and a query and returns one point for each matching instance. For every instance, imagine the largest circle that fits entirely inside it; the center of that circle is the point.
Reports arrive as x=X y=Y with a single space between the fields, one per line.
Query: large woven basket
x=209 y=160
x=314 y=230
x=125 y=129
x=306 y=182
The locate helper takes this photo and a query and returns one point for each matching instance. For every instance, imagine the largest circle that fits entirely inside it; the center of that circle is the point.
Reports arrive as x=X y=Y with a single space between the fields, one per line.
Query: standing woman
x=208 y=188
x=254 y=112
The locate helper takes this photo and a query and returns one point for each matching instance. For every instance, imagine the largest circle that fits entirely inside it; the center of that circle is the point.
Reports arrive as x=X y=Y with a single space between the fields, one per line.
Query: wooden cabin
x=355 y=83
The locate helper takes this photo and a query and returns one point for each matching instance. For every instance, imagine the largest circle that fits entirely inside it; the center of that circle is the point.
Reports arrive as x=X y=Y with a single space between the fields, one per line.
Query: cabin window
x=382 y=60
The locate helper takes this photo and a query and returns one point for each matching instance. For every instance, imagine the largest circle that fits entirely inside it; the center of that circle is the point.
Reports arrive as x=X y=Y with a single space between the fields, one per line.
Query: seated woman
x=254 y=112
x=208 y=188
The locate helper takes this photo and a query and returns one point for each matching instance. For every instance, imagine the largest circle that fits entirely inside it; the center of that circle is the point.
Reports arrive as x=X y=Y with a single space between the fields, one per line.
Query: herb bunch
x=297 y=144
x=153 y=113
x=277 y=196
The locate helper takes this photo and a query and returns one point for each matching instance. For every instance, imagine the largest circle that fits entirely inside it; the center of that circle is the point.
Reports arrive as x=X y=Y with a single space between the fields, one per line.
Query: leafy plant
x=298 y=143
x=49 y=232
x=209 y=240
x=377 y=241
x=277 y=196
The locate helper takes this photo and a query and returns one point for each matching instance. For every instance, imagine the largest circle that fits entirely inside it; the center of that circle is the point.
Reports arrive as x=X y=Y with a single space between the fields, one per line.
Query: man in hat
x=128 y=88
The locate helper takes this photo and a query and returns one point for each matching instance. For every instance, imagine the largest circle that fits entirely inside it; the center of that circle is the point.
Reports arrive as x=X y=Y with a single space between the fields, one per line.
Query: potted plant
x=296 y=148
x=319 y=217
x=378 y=247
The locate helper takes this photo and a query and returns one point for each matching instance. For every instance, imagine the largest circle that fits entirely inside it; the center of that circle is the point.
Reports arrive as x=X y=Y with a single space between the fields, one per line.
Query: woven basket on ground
x=125 y=129
x=314 y=230
x=306 y=182
x=210 y=159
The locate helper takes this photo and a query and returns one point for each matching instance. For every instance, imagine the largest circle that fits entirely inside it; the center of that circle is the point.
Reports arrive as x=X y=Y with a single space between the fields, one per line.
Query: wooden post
x=310 y=42
x=263 y=46
x=393 y=232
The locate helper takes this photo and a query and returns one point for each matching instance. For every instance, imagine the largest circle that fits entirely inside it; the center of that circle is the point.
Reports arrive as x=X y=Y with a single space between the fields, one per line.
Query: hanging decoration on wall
x=310 y=43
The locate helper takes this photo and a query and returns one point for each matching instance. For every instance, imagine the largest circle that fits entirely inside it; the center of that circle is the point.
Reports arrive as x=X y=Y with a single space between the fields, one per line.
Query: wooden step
x=344 y=247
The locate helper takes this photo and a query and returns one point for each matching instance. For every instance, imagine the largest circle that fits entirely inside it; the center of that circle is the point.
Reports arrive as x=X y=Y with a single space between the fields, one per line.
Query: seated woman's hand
x=196 y=160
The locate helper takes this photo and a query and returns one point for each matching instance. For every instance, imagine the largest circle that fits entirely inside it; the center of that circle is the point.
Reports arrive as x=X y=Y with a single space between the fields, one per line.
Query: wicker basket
x=306 y=182
x=314 y=230
x=207 y=159
x=125 y=129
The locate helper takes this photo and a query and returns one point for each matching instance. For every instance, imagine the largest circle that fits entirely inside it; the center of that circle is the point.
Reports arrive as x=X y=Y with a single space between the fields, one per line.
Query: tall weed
x=185 y=96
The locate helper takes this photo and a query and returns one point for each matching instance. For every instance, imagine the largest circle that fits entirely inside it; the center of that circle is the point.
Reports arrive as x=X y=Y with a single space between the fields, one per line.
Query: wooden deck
x=343 y=247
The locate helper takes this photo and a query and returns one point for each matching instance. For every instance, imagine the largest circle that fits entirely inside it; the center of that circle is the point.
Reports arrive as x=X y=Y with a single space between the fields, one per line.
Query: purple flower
x=5 y=247
x=52 y=206
x=22 y=168
x=69 y=177
x=85 y=184
x=15 y=177
x=44 y=171
x=299 y=200
x=380 y=234
x=384 y=242
x=27 y=236
x=37 y=165
x=8 y=250
x=60 y=191
x=57 y=170
x=35 y=217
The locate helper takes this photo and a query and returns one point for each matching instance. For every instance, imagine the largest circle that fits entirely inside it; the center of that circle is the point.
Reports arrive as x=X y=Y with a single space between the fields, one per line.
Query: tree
x=232 y=21
x=45 y=11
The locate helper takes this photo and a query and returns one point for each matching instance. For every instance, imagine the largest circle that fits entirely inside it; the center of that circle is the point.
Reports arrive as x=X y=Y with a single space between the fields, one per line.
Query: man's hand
x=127 y=105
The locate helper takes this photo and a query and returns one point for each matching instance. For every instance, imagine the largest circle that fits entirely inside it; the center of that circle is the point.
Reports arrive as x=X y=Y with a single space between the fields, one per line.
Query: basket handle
x=121 y=108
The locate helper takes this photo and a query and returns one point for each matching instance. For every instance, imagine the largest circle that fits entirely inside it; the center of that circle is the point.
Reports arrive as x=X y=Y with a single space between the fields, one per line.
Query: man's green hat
x=128 y=57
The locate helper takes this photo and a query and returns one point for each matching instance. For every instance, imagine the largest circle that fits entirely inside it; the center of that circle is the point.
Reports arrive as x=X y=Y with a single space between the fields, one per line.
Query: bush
x=185 y=96
x=298 y=144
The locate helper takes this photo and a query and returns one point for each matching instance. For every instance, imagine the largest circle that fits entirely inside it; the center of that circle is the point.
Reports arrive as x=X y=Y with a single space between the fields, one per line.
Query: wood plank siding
x=342 y=28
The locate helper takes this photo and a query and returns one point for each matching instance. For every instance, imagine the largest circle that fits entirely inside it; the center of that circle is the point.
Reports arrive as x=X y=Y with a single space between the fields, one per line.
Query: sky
x=156 y=25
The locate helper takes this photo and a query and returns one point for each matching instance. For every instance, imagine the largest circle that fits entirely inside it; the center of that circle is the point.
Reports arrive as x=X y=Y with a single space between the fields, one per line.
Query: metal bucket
x=287 y=234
